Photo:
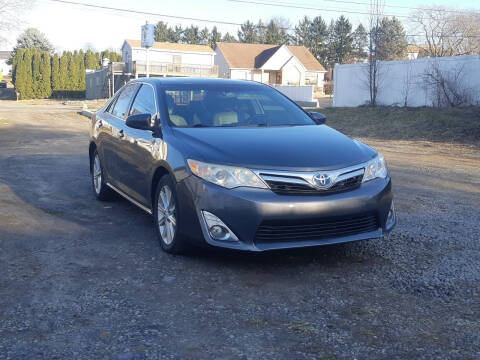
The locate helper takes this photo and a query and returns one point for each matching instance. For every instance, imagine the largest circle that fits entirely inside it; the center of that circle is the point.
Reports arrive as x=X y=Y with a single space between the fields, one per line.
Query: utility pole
x=148 y=65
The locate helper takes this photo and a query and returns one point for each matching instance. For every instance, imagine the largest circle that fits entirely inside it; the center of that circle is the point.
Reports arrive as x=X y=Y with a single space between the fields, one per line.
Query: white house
x=270 y=64
x=5 y=69
x=169 y=59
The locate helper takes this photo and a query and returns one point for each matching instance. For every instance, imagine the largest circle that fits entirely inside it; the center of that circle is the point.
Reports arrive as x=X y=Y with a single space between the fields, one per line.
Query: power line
x=312 y=8
x=368 y=4
x=140 y=12
x=144 y=12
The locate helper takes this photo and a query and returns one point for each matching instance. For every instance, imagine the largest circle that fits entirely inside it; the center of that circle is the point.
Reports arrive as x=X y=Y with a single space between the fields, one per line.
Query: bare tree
x=408 y=82
x=373 y=65
x=448 y=86
x=10 y=11
x=447 y=33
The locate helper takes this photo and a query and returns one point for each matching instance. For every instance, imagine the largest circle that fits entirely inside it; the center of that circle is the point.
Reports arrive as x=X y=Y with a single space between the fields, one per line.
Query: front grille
x=315 y=229
x=289 y=188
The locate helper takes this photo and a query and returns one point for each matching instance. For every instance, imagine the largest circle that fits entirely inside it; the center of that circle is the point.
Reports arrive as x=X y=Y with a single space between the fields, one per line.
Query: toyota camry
x=236 y=164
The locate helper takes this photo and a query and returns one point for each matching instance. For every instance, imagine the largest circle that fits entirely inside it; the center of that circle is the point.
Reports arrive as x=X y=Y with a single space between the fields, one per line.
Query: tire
x=100 y=189
x=165 y=217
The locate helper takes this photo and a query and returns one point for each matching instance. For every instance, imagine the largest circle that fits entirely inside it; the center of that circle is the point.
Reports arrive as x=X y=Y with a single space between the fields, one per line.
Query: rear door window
x=121 y=105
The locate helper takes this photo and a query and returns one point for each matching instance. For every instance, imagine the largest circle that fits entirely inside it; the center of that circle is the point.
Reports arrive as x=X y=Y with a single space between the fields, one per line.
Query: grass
x=429 y=124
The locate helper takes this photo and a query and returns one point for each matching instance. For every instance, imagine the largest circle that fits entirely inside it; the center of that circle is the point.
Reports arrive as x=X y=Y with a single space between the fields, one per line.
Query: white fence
x=298 y=93
x=409 y=82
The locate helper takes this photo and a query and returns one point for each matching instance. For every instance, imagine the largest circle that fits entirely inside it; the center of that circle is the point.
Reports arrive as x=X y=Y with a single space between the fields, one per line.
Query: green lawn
x=446 y=125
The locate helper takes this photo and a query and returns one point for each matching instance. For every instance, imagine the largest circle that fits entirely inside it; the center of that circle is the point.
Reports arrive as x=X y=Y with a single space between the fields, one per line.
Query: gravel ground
x=80 y=279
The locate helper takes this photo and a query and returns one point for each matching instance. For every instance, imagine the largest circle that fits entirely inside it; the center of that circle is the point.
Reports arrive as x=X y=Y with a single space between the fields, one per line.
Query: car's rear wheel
x=167 y=222
x=100 y=188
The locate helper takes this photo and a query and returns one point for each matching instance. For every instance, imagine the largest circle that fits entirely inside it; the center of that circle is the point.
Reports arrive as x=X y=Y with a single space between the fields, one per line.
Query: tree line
x=37 y=74
x=337 y=42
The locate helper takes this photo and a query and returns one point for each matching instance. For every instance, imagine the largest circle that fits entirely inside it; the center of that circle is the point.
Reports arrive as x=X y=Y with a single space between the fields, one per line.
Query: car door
x=135 y=159
x=115 y=121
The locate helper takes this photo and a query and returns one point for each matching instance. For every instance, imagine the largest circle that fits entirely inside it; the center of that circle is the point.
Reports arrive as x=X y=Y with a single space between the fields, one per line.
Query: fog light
x=217 y=229
x=219 y=232
x=390 y=217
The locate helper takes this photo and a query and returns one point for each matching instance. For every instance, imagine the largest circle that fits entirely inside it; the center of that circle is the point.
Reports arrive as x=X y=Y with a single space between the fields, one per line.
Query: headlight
x=226 y=176
x=376 y=168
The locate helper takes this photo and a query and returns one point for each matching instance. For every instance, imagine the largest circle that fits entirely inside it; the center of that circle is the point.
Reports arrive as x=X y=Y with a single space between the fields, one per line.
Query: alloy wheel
x=97 y=174
x=166 y=219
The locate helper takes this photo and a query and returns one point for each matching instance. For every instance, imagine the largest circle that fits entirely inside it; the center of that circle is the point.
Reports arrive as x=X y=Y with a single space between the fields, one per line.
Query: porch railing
x=173 y=69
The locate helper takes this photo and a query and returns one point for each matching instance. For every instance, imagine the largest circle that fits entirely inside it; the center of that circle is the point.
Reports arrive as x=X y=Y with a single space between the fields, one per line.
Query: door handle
x=100 y=123
x=121 y=135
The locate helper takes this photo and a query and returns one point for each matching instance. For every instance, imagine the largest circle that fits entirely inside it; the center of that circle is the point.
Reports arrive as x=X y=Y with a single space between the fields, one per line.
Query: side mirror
x=140 y=121
x=317 y=117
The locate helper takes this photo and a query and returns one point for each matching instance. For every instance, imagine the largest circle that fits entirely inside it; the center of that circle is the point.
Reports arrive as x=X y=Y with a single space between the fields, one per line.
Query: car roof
x=195 y=81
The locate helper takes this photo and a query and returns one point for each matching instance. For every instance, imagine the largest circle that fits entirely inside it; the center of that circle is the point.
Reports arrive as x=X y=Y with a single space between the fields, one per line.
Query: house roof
x=5 y=54
x=172 y=46
x=253 y=56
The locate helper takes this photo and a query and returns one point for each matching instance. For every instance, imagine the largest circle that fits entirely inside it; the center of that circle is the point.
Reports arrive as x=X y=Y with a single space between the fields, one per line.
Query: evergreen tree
x=63 y=72
x=215 y=37
x=319 y=40
x=25 y=71
x=98 y=59
x=360 y=43
x=18 y=71
x=341 y=45
x=45 y=87
x=36 y=74
x=31 y=39
x=274 y=34
x=70 y=74
x=56 y=76
x=91 y=61
x=392 y=41
x=247 y=33
x=81 y=82
x=177 y=34
x=162 y=32
x=261 y=30
x=229 y=38
x=304 y=33
x=204 y=36
x=17 y=59
x=191 y=35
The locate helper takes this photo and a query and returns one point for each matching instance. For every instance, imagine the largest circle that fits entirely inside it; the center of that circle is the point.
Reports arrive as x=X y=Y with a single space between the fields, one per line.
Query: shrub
x=328 y=88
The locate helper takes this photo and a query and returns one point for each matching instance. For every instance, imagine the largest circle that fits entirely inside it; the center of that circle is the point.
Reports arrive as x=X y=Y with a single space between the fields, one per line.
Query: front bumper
x=244 y=210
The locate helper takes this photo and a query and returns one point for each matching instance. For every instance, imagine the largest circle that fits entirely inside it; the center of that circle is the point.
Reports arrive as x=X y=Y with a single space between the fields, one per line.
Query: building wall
x=400 y=80
x=279 y=59
x=168 y=56
x=4 y=67
x=95 y=84
x=293 y=73
x=241 y=74
x=219 y=60
x=317 y=77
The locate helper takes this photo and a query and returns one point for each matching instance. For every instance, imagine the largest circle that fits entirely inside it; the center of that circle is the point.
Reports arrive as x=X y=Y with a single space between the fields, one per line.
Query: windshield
x=231 y=106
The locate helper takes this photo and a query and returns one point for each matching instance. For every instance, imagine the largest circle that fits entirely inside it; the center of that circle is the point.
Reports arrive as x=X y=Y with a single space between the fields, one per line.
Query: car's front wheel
x=100 y=188
x=165 y=211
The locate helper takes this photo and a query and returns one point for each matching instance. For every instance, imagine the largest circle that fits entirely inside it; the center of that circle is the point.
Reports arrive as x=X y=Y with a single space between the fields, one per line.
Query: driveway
x=81 y=279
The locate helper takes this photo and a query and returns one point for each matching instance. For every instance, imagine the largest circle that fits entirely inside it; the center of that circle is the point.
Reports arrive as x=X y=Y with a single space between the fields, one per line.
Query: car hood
x=309 y=147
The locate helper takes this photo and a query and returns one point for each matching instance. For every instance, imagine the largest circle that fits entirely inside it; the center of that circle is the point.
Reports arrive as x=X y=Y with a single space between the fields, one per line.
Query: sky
x=72 y=27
